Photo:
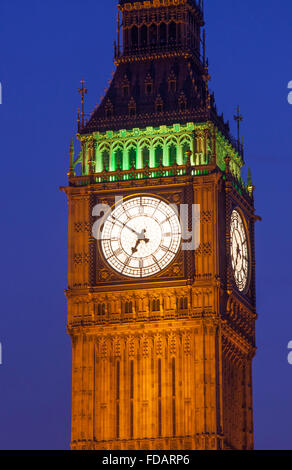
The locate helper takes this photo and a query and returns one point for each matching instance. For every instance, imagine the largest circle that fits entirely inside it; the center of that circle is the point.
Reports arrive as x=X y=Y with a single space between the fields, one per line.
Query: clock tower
x=161 y=272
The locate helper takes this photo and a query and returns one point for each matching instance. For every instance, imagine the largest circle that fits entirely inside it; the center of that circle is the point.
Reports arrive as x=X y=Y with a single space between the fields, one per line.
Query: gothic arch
x=143 y=35
x=185 y=138
x=157 y=141
x=171 y=140
x=172 y=32
x=144 y=143
x=131 y=144
x=162 y=33
x=153 y=34
x=134 y=36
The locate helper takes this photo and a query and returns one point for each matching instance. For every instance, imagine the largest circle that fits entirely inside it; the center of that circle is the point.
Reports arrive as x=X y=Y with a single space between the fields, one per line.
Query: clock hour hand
x=238 y=253
x=141 y=238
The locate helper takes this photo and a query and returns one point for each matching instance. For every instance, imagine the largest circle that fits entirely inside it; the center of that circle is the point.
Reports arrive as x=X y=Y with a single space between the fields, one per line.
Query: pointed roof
x=162 y=82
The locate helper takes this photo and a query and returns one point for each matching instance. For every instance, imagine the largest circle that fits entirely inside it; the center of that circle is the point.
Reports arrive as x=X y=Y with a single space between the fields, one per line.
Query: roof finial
x=71 y=154
x=238 y=118
x=78 y=119
x=83 y=92
x=250 y=186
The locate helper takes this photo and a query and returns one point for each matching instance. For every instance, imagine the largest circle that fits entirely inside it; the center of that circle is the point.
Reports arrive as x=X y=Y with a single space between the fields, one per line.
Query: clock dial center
x=141 y=237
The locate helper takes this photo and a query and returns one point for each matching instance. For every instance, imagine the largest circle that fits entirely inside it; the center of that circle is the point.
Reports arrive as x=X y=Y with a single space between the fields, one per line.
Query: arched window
x=148 y=88
x=105 y=160
x=172 y=32
x=134 y=36
x=143 y=36
x=132 y=158
x=182 y=102
x=119 y=159
x=132 y=108
x=153 y=34
x=183 y=303
x=158 y=155
x=155 y=305
x=125 y=89
x=158 y=104
x=109 y=111
x=182 y=106
x=148 y=85
x=145 y=157
x=172 y=86
x=172 y=154
x=185 y=149
x=129 y=307
x=159 y=107
x=162 y=33
x=101 y=309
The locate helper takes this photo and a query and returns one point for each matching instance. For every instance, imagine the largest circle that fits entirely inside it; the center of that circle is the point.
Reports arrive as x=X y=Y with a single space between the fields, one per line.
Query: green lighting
x=153 y=147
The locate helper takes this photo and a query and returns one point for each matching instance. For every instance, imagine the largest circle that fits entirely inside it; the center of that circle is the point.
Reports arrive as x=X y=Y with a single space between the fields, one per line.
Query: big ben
x=161 y=256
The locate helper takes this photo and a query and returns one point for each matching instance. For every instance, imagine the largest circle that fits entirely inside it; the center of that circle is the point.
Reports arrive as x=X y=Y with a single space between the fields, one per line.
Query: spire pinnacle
x=71 y=155
x=250 y=186
x=238 y=118
x=83 y=91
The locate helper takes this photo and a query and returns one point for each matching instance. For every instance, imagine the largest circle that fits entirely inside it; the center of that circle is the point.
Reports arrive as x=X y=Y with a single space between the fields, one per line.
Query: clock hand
x=238 y=253
x=133 y=231
x=135 y=249
x=141 y=238
x=146 y=240
x=125 y=226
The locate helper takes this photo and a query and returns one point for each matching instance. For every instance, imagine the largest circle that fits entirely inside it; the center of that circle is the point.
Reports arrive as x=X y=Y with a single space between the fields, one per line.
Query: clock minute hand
x=133 y=231
x=125 y=226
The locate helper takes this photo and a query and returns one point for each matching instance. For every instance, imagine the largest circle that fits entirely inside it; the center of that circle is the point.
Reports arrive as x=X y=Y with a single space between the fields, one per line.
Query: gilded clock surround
x=141 y=236
x=163 y=362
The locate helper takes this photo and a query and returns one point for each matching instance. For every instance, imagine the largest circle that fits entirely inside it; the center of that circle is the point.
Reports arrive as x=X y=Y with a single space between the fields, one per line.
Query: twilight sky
x=46 y=47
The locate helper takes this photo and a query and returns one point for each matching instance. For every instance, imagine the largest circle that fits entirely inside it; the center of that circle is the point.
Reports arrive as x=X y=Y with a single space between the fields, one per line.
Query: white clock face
x=239 y=251
x=141 y=236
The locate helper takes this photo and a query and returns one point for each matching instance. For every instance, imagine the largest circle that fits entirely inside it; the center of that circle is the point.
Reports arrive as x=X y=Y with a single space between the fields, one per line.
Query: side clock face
x=141 y=237
x=239 y=251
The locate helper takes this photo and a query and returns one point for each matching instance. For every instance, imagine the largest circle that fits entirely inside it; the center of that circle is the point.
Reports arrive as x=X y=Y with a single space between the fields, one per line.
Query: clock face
x=239 y=251
x=141 y=236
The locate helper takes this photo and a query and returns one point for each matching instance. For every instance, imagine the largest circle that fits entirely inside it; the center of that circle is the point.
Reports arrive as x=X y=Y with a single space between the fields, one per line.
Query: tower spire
x=83 y=91
x=238 y=118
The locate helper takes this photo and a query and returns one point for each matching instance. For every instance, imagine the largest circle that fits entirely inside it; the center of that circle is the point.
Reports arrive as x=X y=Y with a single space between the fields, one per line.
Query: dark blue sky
x=46 y=47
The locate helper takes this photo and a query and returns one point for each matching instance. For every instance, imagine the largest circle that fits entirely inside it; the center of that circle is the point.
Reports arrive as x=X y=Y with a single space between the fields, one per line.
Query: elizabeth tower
x=163 y=335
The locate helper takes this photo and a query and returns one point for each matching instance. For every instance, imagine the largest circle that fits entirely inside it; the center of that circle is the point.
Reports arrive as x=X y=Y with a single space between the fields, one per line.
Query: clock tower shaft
x=161 y=362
